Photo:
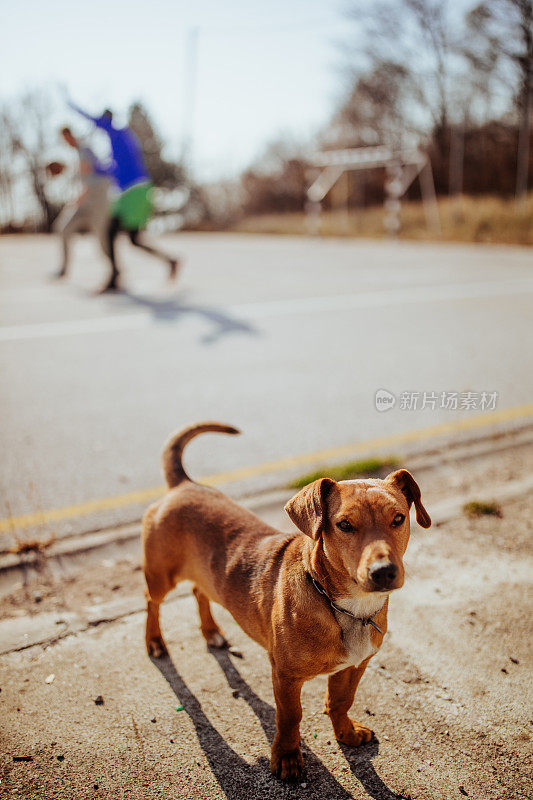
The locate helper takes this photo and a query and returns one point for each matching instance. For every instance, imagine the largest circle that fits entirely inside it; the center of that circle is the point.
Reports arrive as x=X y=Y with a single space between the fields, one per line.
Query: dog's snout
x=383 y=574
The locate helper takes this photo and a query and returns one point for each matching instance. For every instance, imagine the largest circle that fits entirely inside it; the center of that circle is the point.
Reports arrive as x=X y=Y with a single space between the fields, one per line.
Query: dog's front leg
x=339 y=698
x=286 y=759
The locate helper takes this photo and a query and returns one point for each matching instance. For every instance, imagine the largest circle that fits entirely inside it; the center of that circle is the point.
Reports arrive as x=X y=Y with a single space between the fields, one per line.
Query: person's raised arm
x=79 y=110
x=101 y=122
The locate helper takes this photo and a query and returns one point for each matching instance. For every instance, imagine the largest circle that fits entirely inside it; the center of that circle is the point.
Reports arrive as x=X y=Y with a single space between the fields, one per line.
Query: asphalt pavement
x=286 y=338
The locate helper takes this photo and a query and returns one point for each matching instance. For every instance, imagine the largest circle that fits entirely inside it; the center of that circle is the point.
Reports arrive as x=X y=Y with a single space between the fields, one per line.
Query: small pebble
x=50 y=678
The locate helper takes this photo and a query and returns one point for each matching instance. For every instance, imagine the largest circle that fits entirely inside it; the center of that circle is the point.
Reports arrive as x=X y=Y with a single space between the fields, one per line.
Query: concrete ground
x=87 y=714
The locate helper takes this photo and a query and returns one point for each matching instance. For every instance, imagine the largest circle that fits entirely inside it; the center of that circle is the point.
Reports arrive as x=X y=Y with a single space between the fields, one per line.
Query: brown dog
x=317 y=602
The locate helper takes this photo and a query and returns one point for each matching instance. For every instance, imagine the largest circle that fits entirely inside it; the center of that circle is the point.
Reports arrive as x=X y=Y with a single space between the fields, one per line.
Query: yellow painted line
x=146 y=495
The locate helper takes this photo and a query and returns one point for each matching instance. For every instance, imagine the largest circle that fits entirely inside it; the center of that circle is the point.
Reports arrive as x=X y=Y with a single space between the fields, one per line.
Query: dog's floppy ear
x=308 y=508
x=410 y=488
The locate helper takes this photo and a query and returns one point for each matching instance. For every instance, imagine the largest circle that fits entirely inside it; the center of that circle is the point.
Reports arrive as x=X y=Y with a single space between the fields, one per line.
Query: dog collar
x=363 y=620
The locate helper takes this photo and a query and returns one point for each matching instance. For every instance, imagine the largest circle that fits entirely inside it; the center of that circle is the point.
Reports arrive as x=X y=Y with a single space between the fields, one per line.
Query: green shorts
x=134 y=206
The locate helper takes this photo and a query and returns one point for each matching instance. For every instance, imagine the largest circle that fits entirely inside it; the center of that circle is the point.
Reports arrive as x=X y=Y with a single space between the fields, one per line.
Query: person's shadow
x=173 y=309
x=235 y=776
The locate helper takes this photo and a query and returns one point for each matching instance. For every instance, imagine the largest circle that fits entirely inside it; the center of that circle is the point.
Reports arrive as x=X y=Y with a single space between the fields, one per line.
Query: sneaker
x=110 y=286
x=56 y=276
x=174 y=266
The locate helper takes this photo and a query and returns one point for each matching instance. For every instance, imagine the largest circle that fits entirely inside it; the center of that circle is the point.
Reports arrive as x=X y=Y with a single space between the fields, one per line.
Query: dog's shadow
x=360 y=763
x=235 y=776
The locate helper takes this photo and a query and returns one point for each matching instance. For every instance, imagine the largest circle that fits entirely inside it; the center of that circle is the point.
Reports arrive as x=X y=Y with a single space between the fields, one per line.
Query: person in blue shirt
x=133 y=207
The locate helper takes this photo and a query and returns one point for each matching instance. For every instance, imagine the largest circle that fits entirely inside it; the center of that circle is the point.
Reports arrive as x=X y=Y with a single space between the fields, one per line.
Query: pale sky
x=264 y=68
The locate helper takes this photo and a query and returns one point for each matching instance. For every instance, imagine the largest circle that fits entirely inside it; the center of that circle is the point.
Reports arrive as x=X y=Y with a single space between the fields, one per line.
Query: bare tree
x=415 y=36
x=28 y=132
x=377 y=108
x=418 y=67
x=163 y=172
x=430 y=18
x=276 y=181
x=508 y=26
x=7 y=208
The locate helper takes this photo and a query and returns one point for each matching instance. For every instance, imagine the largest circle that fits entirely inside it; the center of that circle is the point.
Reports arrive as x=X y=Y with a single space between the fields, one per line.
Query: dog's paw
x=216 y=639
x=353 y=734
x=156 y=647
x=287 y=766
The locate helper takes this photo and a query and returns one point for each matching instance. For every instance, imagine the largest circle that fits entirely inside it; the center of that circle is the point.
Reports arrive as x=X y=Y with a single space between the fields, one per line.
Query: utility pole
x=189 y=93
x=457 y=155
x=522 y=166
x=523 y=144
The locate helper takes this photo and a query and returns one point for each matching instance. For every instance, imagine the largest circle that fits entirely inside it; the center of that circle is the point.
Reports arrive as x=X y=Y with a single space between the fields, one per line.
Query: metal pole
x=189 y=92
x=393 y=188
x=346 y=209
x=429 y=198
x=522 y=159
x=457 y=152
x=313 y=217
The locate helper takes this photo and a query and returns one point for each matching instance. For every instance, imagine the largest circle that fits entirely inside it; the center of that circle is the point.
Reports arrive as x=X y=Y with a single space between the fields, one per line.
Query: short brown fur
x=263 y=577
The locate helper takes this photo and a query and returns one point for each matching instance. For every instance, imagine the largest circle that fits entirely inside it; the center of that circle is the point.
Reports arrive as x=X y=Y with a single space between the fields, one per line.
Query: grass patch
x=35 y=545
x=486 y=219
x=365 y=467
x=478 y=508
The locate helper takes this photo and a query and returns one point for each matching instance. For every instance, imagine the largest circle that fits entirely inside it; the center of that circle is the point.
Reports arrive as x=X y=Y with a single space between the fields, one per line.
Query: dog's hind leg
x=158 y=584
x=210 y=630
x=155 y=594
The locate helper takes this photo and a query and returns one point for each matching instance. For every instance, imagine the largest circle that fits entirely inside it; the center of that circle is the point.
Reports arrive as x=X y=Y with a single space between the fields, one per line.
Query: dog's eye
x=345 y=526
x=397 y=521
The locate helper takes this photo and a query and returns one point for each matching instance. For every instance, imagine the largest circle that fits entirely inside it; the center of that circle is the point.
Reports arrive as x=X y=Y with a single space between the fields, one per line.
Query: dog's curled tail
x=173 y=450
